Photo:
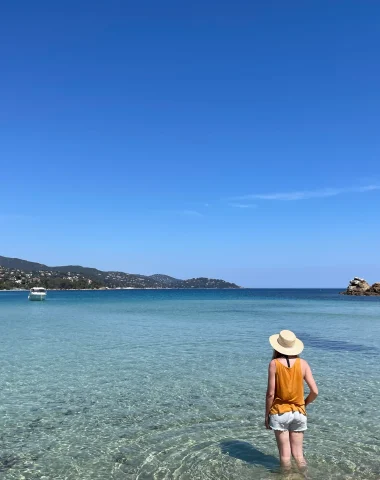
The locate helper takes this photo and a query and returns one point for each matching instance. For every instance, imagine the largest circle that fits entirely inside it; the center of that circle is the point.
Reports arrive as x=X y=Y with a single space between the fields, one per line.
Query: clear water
x=171 y=384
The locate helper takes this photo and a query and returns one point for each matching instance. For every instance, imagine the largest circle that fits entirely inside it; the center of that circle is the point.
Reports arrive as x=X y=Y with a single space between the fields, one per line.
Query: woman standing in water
x=285 y=411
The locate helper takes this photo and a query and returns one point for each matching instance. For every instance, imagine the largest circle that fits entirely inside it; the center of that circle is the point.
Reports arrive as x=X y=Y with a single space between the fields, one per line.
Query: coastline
x=118 y=288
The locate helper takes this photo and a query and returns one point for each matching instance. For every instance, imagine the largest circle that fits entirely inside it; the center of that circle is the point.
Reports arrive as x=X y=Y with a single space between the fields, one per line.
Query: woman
x=285 y=411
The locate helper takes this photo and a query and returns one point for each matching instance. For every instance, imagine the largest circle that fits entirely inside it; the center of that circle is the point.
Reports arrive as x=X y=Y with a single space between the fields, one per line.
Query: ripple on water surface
x=171 y=385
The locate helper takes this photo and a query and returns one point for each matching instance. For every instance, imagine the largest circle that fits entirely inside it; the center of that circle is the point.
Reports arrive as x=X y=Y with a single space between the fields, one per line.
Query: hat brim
x=295 y=350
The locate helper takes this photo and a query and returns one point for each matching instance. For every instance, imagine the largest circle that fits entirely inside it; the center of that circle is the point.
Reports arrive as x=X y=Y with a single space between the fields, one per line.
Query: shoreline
x=118 y=288
x=169 y=288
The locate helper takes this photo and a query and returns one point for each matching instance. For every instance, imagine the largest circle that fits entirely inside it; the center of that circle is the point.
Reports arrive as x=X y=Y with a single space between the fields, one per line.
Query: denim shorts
x=289 y=421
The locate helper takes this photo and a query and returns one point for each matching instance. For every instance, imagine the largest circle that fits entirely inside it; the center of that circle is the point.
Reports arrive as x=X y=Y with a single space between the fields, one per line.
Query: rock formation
x=358 y=286
x=375 y=289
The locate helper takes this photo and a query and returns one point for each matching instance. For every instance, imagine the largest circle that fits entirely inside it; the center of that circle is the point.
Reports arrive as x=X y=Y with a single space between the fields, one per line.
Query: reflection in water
x=248 y=453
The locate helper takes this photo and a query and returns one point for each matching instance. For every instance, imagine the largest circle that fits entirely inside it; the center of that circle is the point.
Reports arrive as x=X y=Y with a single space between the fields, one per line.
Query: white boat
x=37 y=293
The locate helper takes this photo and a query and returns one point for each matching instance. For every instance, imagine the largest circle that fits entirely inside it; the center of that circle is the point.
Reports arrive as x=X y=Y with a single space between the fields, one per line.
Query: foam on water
x=171 y=384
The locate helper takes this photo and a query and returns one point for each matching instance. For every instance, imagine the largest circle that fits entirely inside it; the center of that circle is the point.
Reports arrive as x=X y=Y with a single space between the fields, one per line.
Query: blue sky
x=229 y=139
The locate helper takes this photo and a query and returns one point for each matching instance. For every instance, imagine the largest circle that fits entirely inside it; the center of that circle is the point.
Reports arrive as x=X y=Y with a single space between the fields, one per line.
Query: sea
x=170 y=384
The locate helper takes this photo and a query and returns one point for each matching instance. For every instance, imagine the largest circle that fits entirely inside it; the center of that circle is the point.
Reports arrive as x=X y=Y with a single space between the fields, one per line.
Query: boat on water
x=37 y=293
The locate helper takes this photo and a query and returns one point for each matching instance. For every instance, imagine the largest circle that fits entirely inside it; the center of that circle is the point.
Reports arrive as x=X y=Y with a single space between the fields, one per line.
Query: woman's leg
x=296 y=444
x=284 y=449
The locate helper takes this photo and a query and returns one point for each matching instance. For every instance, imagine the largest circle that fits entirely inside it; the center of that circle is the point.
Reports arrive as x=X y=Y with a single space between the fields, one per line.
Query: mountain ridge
x=17 y=273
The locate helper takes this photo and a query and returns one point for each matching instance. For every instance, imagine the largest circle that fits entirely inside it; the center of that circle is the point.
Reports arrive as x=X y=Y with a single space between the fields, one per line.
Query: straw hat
x=286 y=342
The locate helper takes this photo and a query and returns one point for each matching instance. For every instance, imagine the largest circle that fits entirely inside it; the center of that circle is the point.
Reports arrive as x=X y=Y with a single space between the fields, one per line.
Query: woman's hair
x=277 y=354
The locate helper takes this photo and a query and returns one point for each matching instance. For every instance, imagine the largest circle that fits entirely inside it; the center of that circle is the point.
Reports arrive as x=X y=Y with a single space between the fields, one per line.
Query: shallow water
x=171 y=384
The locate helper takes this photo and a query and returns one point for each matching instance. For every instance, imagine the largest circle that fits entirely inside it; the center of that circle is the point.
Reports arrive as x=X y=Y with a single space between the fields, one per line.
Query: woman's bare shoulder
x=304 y=365
x=272 y=365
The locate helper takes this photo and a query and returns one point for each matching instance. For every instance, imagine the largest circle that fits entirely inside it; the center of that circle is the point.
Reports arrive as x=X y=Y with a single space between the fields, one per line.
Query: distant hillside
x=19 y=264
x=165 y=279
x=17 y=273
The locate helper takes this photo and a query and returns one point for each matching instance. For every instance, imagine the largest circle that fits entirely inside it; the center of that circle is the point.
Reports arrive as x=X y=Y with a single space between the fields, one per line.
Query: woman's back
x=289 y=390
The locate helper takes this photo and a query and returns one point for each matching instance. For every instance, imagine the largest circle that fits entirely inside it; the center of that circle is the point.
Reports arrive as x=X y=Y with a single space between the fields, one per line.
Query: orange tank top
x=289 y=392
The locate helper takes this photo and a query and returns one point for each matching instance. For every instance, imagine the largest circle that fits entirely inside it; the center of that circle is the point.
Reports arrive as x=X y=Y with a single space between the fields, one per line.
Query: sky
x=236 y=140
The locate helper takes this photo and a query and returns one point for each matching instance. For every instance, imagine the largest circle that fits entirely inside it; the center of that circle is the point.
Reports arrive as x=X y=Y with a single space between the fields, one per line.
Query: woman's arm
x=309 y=379
x=270 y=391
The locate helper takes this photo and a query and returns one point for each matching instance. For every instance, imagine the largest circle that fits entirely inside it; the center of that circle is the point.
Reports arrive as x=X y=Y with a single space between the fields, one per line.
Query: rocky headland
x=359 y=286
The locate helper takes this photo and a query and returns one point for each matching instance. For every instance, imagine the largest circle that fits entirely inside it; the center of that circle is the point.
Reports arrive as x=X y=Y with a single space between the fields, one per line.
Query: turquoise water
x=171 y=384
